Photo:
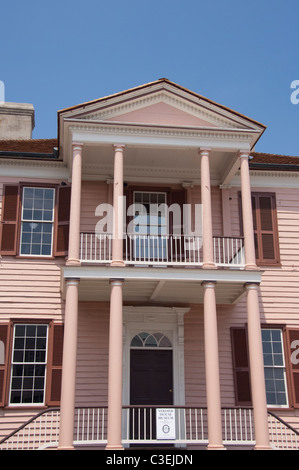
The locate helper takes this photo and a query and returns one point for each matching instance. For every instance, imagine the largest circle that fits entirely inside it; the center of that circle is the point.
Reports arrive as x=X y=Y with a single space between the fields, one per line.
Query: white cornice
x=270 y=179
x=159 y=135
x=33 y=168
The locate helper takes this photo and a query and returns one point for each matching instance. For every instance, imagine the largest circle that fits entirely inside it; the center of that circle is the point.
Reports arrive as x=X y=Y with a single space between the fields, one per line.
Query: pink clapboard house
x=149 y=271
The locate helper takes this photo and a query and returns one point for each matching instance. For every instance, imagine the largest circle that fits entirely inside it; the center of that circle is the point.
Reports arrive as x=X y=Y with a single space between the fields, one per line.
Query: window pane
x=18 y=356
x=151 y=342
x=19 y=330
x=136 y=342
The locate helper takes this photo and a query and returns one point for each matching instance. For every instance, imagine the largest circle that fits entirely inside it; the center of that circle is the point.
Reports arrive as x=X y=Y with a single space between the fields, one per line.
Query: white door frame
x=167 y=320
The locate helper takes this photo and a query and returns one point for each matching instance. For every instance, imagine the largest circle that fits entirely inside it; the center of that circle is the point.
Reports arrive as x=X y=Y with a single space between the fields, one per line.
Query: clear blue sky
x=242 y=54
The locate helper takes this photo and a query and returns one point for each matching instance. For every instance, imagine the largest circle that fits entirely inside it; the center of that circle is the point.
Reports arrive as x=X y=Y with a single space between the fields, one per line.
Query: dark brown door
x=151 y=377
x=151 y=383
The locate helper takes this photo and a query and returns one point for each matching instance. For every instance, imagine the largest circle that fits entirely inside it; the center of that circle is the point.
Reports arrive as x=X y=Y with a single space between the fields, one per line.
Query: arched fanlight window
x=150 y=340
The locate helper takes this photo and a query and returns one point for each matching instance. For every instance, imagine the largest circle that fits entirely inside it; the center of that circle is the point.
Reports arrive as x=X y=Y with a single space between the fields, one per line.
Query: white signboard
x=165 y=421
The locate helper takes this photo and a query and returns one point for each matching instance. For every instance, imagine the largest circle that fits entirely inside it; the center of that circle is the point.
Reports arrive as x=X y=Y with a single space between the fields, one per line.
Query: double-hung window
x=150 y=237
x=37 y=221
x=28 y=369
x=274 y=367
x=30 y=363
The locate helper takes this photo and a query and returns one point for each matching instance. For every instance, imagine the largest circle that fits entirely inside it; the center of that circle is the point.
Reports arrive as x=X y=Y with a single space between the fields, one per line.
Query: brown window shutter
x=4 y=347
x=63 y=219
x=54 y=364
x=9 y=220
x=293 y=360
x=241 y=366
x=265 y=228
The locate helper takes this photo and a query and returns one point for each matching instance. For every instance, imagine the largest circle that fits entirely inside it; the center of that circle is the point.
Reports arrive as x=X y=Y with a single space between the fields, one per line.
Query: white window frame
x=36 y=221
x=276 y=367
x=148 y=243
x=23 y=363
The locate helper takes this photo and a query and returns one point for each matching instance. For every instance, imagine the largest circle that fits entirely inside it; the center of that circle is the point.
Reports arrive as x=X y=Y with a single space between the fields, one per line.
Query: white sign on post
x=165 y=421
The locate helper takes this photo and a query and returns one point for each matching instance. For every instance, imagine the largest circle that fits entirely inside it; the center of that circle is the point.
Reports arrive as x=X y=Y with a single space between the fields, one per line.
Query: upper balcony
x=158 y=140
x=162 y=250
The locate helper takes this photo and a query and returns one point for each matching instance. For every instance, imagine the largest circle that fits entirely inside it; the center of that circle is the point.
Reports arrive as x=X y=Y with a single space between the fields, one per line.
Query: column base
x=117 y=263
x=252 y=267
x=114 y=447
x=216 y=447
x=65 y=448
x=262 y=447
x=73 y=262
x=209 y=266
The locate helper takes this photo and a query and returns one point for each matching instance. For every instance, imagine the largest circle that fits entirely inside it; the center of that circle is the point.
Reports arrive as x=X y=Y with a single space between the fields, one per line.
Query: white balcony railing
x=166 y=250
x=190 y=426
x=139 y=427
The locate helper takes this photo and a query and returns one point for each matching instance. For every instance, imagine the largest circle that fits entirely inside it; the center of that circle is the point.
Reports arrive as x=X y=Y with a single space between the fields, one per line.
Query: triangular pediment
x=161 y=108
x=162 y=113
x=161 y=103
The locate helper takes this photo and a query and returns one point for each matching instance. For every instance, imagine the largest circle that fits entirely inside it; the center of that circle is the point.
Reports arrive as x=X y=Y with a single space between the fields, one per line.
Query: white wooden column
x=212 y=368
x=118 y=192
x=115 y=366
x=257 y=374
x=68 y=382
x=250 y=261
x=207 y=235
x=75 y=210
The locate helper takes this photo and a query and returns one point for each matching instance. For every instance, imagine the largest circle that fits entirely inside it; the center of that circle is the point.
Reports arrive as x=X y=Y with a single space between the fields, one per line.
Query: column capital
x=251 y=285
x=244 y=153
x=77 y=145
x=209 y=283
x=116 y=282
x=72 y=281
x=118 y=147
x=204 y=151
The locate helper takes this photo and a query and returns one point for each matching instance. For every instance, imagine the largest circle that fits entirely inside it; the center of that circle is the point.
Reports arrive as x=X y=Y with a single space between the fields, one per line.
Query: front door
x=151 y=384
x=151 y=377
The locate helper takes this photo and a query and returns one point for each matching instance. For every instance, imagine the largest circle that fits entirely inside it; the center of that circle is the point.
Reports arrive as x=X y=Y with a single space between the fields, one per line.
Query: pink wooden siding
x=279 y=304
x=195 y=198
x=93 y=194
x=92 y=358
x=31 y=289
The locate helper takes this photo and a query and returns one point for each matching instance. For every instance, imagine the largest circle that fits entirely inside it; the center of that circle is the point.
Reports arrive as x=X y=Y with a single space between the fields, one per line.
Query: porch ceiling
x=159 y=285
x=145 y=291
x=152 y=162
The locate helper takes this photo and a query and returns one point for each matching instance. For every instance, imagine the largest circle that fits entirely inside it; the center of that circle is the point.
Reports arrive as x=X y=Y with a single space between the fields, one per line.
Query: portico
x=115 y=148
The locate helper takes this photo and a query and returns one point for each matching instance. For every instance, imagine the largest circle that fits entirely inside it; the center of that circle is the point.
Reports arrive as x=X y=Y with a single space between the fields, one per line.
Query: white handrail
x=282 y=436
x=166 y=250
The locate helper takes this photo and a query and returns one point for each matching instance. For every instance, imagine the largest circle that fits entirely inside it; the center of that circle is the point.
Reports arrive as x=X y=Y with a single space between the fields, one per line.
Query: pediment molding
x=157 y=113
x=161 y=97
x=142 y=171
x=122 y=129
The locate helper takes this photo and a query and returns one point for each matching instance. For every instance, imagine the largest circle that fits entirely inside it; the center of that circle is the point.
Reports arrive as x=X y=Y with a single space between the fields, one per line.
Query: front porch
x=140 y=301
x=90 y=432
